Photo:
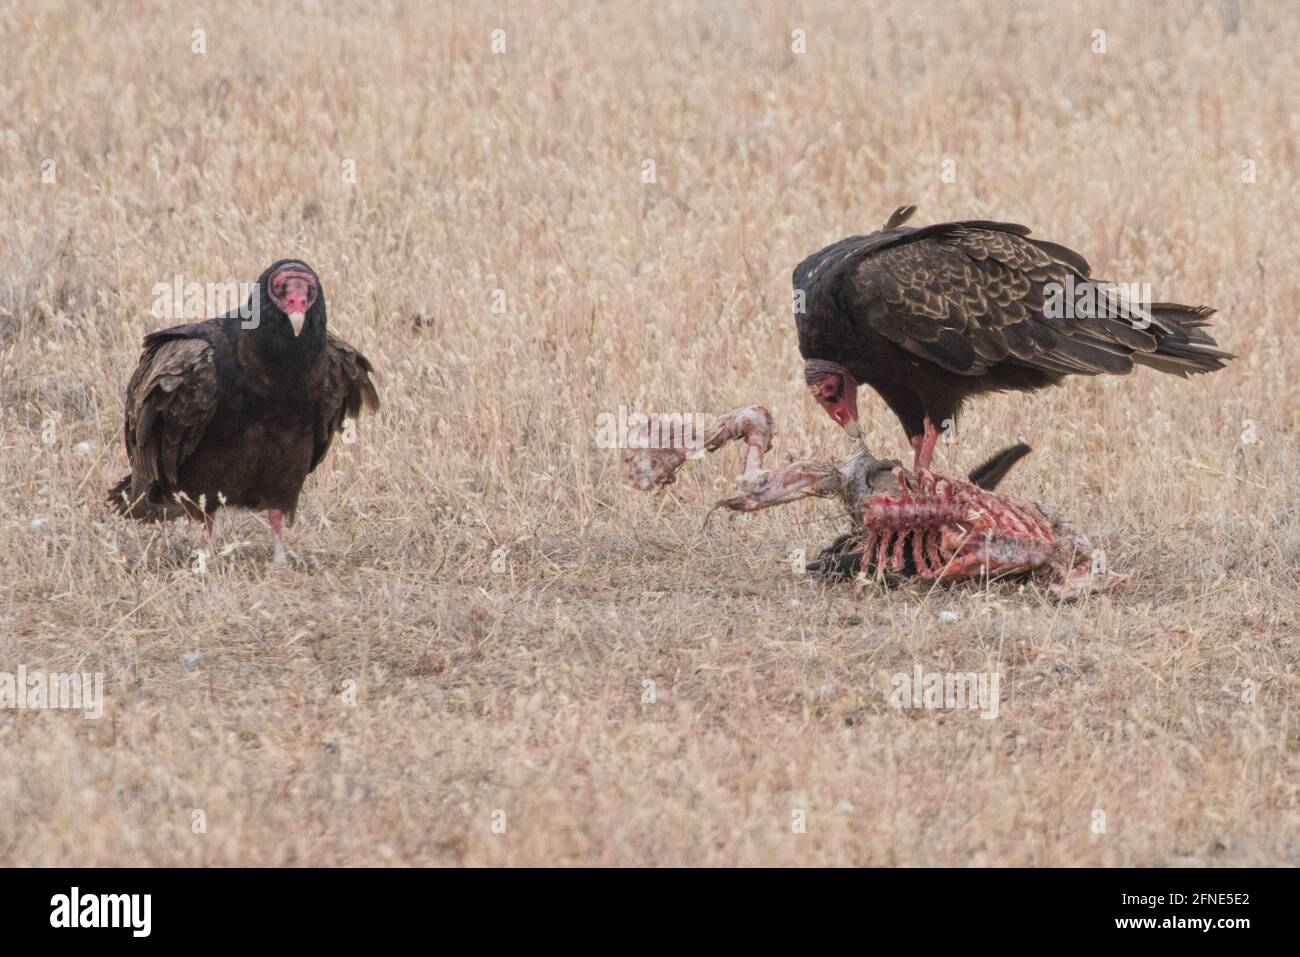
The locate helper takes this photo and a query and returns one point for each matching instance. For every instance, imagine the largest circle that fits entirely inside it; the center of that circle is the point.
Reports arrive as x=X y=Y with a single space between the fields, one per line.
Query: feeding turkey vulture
x=237 y=412
x=930 y=316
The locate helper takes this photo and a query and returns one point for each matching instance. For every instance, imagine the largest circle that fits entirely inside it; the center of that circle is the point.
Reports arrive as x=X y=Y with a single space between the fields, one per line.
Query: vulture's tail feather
x=125 y=500
x=1183 y=347
x=119 y=496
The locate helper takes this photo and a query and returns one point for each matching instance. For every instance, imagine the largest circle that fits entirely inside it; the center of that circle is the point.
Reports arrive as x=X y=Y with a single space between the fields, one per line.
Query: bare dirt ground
x=488 y=651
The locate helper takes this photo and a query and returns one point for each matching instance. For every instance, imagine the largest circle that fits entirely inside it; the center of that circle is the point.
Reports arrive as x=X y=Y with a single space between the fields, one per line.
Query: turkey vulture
x=930 y=316
x=234 y=411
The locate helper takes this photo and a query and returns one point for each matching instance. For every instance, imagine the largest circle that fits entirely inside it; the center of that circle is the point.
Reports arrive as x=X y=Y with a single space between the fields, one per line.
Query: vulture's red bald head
x=835 y=390
x=294 y=288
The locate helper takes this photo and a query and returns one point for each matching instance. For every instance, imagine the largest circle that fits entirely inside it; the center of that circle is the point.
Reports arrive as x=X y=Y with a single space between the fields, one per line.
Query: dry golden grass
x=480 y=692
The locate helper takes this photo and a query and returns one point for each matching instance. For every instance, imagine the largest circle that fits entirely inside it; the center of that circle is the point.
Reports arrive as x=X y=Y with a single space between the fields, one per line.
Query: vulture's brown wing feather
x=170 y=400
x=347 y=387
x=972 y=295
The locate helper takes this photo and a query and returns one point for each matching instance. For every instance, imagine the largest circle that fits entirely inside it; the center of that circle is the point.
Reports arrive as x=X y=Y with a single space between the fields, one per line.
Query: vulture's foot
x=646 y=465
x=276 y=518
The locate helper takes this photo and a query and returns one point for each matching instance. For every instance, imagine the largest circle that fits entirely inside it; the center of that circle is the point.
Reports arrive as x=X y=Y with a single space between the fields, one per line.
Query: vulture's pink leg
x=276 y=518
x=924 y=445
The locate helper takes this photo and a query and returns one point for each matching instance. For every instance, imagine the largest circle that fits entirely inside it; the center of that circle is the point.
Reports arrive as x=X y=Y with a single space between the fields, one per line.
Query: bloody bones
x=906 y=524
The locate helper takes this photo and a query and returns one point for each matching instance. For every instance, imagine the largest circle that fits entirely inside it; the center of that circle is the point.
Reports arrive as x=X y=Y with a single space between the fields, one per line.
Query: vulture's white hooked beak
x=859 y=434
x=296 y=319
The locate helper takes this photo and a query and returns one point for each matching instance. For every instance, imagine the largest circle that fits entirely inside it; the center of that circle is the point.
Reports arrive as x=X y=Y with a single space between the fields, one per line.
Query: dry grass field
x=454 y=668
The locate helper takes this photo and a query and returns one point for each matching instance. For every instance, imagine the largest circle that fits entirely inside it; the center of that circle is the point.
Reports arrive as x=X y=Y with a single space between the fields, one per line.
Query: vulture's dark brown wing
x=170 y=400
x=967 y=296
x=346 y=388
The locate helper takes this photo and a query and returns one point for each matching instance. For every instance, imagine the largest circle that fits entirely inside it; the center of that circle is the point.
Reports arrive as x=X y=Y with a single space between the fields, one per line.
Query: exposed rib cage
x=950 y=529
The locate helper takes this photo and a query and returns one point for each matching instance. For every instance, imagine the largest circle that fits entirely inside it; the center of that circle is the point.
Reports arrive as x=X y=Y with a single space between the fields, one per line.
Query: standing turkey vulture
x=930 y=316
x=219 y=414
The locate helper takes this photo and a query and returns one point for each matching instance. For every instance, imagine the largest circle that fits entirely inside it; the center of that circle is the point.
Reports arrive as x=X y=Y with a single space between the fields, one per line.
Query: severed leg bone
x=646 y=467
x=861 y=475
x=753 y=424
x=778 y=486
